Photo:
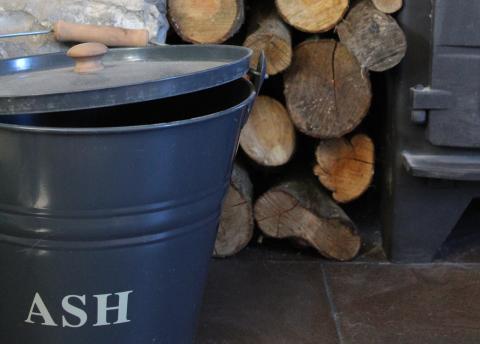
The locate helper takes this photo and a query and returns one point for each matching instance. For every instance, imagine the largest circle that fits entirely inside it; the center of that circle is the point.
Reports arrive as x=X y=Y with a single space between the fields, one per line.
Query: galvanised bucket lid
x=55 y=82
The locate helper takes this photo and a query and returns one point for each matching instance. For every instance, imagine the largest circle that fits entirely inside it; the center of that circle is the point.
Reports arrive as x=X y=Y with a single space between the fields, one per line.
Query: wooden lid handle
x=108 y=35
x=88 y=57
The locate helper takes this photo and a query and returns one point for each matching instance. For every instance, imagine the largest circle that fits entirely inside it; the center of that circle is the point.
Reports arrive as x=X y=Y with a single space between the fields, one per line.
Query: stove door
x=456 y=70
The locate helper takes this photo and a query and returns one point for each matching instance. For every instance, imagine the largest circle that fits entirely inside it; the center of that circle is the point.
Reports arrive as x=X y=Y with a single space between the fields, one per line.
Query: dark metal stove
x=432 y=170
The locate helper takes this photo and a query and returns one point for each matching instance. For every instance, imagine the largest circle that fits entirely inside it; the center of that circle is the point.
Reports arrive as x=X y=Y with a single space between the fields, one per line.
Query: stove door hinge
x=425 y=99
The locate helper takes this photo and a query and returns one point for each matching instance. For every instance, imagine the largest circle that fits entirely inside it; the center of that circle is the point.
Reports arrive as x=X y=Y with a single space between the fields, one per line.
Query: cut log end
x=206 y=21
x=312 y=16
x=345 y=167
x=268 y=137
x=278 y=51
x=375 y=38
x=236 y=224
x=267 y=32
x=326 y=91
x=388 y=6
x=282 y=214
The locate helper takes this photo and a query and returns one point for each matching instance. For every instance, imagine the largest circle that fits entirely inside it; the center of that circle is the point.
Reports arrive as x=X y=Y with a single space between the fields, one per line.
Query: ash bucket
x=111 y=188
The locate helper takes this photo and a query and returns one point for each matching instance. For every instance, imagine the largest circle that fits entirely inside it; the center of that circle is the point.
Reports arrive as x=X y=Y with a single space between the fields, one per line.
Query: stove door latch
x=425 y=99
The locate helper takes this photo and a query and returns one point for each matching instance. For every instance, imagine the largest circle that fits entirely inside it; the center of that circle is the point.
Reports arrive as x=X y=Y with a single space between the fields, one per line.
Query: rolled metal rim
x=233 y=60
x=132 y=128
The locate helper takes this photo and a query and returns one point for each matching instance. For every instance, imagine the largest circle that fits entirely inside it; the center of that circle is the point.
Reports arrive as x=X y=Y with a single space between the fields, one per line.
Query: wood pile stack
x=325 y=77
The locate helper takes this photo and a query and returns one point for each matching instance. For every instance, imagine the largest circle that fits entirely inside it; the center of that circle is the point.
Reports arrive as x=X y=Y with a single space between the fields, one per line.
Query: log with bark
x=314 y=15
x=345 y=167
x=301 y=209
x=388 y=6
x=206 y=21
x=268 y=137
x=375 y=38
x=267 y=32
x=327 y=93
x=236 y=222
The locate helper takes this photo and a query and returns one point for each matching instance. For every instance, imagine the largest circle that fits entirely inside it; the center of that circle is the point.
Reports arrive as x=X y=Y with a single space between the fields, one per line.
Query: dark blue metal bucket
x=108 y=217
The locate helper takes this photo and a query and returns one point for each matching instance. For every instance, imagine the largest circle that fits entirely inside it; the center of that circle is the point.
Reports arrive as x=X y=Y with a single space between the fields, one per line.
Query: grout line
x=333 y=308
x=367 y=263
x=404 y=264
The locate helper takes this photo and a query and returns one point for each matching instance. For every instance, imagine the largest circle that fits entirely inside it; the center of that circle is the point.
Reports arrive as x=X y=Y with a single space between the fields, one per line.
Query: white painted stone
x=31 y=15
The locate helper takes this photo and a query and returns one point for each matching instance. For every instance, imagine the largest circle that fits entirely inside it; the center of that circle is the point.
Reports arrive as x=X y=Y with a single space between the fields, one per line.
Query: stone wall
x=32 y=15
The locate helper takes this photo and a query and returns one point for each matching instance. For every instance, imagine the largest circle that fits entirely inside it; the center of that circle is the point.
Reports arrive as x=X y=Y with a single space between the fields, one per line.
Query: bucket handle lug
x=259 y=74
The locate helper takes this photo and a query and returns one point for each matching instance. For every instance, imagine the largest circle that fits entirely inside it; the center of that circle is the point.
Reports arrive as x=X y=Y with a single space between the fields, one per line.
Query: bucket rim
x=131 y=128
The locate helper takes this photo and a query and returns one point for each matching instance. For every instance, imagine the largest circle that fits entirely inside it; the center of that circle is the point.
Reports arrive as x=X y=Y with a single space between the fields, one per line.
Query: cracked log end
x=326 y=91
x=313 y=15
x=236 y=222
x=206 y=21
x=268 y=137
x=345 y=167
x=302 y=210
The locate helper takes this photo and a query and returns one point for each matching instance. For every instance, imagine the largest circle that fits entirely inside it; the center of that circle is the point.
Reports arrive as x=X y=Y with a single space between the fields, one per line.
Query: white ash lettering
x=72 y=306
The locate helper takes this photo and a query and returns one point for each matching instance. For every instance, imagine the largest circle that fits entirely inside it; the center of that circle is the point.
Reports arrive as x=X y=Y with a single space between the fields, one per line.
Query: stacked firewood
x=327 y=93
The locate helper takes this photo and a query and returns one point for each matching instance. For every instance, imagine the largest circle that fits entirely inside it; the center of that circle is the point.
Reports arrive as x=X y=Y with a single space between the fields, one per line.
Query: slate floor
x=275 y=294
x=260 y=297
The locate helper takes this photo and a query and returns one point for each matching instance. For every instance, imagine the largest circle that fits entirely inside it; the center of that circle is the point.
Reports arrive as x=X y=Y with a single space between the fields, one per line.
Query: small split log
x=345 y=167
x=327 y=93
x=313 y=15
x=301 y=209
x=206 y=21
x=388 y=6
x=267 y=32
x=268 y=137
x=236 y=222
x=375 y=38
